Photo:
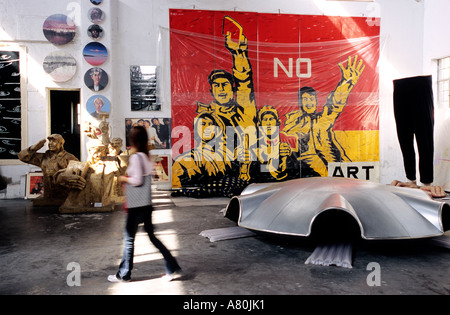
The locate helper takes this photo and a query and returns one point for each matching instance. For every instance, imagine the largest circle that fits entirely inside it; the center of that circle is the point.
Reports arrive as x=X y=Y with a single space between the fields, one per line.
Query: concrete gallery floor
x=43 y=252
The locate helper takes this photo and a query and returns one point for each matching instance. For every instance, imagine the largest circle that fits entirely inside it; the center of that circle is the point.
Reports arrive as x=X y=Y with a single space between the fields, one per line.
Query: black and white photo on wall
x=10 y=105
x=143 y=85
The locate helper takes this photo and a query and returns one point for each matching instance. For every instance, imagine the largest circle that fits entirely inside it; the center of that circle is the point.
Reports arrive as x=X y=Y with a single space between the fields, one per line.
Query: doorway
x=65 y=118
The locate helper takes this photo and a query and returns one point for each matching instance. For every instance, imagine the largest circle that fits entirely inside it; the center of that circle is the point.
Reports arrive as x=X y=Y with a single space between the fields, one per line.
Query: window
x=444 y=81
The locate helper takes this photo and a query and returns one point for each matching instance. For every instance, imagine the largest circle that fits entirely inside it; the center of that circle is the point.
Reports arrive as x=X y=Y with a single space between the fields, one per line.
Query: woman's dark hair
x=138 y=138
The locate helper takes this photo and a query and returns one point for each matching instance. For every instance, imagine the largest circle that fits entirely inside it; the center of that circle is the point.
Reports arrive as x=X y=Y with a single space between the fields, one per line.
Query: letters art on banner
x=264 y=97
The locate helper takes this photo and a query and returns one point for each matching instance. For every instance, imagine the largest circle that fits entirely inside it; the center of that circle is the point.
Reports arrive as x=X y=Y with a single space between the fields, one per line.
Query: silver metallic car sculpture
x=379 y=212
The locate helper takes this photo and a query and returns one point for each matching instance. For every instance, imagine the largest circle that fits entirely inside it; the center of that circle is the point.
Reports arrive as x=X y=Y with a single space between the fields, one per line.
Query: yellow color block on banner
x=360 y=145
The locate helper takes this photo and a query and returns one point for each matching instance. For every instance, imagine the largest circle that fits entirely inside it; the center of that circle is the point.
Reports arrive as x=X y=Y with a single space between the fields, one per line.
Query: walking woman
x=138 y=188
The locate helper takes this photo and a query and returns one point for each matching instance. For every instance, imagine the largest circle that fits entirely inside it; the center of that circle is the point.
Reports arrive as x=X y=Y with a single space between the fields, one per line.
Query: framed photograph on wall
x=143 y=85
x=35 y=185
x=161 y=168
x=158 y=129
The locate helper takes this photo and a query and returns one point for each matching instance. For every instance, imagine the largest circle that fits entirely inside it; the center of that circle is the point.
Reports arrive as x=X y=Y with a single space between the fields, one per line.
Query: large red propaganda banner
x=317 y=76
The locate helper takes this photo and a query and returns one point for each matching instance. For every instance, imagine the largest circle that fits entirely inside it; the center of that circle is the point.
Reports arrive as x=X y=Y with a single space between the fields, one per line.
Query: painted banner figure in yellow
x=209 y=160
x=234 y=102
x=313 y=130
x=275 y=159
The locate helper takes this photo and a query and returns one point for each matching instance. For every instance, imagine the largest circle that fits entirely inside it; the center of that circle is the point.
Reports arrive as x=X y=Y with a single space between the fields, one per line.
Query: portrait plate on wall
x=60 y=66
x=96 y=79
x=59 y=29
x=95 y=31
x=95 y=53
x=96 y=15
x=98 y=105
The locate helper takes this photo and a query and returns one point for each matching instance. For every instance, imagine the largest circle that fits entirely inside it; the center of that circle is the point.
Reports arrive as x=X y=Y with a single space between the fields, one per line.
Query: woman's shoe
x=113 y=278
x=174 y=275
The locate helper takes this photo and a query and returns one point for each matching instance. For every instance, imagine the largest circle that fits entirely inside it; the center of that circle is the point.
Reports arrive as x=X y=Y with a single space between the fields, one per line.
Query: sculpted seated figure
x=51 y=161
x=92 y=184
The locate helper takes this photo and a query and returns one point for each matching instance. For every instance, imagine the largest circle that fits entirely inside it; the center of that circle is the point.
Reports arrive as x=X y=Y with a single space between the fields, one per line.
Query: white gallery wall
x=136 y=34
x=435 y=46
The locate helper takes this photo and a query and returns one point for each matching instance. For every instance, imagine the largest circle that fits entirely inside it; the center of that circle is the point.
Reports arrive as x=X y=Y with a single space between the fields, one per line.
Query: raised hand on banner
x=236 y=43
x=233 y=46
x=235 y=40
x=350 y=76
x=353 y=71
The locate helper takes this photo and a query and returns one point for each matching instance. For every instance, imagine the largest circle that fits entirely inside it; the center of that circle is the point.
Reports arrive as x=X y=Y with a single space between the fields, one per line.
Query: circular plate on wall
x=95 y=53
x=97 y=105
x=95 y=31
x=96 y=15
x=60 y=66
x=59 y=29
x=96 y=79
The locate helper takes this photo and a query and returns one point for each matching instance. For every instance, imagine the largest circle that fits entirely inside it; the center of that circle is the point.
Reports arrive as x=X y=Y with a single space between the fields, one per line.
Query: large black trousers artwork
x=414 y=116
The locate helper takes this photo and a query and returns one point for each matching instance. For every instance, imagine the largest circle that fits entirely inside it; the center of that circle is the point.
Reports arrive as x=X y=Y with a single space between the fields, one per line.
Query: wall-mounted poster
x=35 y=185
x=10 y=105
x=95 y=31
x=158 y=130
x=60 y=66
x=143 y=88
x=95 y=53
x=59 y=29
x=96 y=79
x=286 y=95
x=98 y=105
x=96 y=15
x=161 y=168
x=96 y=2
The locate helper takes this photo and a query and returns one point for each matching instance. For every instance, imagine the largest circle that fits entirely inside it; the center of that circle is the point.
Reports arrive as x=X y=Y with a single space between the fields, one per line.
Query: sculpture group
x=76 y=186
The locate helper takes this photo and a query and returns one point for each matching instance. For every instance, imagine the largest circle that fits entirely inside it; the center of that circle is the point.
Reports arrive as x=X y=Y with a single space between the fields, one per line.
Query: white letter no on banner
x=289 y=72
